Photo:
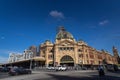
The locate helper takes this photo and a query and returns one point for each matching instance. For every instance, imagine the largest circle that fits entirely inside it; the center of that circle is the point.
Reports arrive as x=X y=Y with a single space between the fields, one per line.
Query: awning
x=38 y=58
x=51 y=62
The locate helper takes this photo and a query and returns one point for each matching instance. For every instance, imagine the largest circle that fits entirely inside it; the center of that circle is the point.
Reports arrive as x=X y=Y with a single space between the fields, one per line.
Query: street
x=63 y=75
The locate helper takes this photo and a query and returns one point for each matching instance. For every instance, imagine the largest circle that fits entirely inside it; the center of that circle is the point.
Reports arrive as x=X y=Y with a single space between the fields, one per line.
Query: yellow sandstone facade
x=67 y=51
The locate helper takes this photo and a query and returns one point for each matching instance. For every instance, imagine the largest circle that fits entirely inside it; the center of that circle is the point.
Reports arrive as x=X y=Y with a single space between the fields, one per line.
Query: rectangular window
x=87 y=55
x=88 y=61
x=99 y=57
x=80 y=55
x=91 y=56
x=64 y=48
x=50 y=57
x=60 y=48
x=92 y=62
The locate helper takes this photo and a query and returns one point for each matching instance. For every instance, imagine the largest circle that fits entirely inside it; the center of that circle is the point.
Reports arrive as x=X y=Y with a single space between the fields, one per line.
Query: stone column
x=76 y=56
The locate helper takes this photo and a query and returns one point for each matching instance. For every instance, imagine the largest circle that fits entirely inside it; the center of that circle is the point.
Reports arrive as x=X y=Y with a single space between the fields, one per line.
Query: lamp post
x=31 y=56
x=30 y=64
x=81 y=63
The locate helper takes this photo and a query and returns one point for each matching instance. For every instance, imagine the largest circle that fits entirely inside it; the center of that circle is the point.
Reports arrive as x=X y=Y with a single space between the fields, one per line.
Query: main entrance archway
x=67 y=60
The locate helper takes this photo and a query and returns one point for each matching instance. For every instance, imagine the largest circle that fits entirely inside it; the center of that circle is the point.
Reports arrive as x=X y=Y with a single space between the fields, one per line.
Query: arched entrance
x=67 y=60
x=50 y=63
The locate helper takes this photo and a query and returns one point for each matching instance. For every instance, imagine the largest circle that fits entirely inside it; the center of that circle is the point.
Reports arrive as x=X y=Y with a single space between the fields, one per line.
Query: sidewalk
x=63 y=71
x=86 y=70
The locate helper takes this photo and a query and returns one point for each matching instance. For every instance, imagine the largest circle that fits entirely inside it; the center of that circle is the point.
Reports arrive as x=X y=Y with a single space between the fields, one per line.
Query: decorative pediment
x=66 y=43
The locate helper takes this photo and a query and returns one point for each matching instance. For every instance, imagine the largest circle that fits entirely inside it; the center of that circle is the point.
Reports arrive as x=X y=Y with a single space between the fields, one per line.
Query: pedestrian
x=101 y=71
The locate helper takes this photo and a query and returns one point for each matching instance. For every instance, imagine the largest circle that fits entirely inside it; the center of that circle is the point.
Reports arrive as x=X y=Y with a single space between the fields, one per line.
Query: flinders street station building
x=64 y=51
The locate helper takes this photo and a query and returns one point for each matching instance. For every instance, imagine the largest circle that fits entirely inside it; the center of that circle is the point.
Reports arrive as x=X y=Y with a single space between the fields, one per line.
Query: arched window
x=66 y=58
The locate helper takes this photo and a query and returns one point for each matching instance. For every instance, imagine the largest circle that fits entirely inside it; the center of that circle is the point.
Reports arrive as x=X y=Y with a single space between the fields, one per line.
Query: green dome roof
x=63 y=34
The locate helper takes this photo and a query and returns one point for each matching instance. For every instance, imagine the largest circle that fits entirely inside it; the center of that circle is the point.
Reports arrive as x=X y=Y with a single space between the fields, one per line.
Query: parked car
x=1 y=69
x=112 y=67
x=61 y=68
x=84 y=68
x=17 y=71
x=4 y=69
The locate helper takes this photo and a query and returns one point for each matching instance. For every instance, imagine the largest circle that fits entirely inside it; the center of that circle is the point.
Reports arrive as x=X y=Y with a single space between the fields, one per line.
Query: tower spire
x=115 y=51
x=61 y=28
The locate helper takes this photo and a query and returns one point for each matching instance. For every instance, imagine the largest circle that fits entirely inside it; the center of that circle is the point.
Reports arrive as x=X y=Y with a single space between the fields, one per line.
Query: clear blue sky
x=30 y=22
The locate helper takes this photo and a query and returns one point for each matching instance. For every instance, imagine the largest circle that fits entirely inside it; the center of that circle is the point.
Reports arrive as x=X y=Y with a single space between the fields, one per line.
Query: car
x=1 y=69
x=4 y=69
x=119 y=68
x=84 y=68
x=61 y=68
x=17 y=71
x=50 y=68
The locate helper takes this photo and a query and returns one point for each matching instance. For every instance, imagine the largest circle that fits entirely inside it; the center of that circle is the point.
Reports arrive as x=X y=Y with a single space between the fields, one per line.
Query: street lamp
x=31 y=56
x=81 y=63
x=30 y=64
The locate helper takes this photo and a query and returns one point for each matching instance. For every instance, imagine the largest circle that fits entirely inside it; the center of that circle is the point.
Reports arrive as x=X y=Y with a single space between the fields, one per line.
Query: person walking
x=101 y=71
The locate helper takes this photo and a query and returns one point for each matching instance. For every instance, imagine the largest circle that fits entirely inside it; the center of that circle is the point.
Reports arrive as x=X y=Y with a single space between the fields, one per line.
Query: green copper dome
x=63 y=34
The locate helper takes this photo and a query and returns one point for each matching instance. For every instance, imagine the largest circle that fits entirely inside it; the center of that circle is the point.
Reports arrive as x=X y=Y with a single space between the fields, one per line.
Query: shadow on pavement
x=92 y=77
x=118 y=72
